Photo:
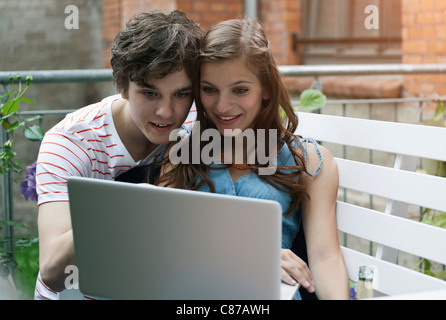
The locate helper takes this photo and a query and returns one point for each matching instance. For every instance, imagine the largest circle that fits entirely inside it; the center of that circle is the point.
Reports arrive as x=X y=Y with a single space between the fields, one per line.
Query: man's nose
x=165 y=108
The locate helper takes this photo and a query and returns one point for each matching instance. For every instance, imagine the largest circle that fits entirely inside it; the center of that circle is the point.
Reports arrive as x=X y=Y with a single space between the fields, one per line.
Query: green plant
x=429 y=216
x=25 y=262
x=437 y=219
x=20 y=253
x=11 y=121
x=310 y=100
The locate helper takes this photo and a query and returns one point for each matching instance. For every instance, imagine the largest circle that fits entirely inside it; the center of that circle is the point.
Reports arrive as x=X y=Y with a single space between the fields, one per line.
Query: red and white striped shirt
x=84 y=144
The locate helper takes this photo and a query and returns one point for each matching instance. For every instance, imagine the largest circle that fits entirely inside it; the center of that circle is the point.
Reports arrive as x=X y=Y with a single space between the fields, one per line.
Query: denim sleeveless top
x=251 y=186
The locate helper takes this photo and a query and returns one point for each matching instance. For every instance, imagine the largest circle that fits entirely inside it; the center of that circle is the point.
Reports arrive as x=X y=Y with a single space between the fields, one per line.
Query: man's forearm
x=55 y=258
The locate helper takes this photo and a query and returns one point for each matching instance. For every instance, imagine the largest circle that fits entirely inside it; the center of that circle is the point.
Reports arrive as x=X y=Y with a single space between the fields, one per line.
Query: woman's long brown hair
x=245 y=38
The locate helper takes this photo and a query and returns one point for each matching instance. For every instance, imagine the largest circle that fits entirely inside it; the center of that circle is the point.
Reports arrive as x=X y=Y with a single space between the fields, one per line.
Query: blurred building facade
x=325 y=32
x=33 y=35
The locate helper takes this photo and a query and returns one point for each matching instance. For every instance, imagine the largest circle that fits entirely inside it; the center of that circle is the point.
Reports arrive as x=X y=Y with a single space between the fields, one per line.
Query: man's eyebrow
x=186 y=88
x=153 y=87
x=149 y=86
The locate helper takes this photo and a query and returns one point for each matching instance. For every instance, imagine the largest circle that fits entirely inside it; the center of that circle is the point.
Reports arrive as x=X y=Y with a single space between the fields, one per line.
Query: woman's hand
x=295 y=269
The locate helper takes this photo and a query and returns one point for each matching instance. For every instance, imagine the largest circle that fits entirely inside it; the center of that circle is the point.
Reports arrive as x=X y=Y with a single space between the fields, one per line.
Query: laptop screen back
x=133 y=241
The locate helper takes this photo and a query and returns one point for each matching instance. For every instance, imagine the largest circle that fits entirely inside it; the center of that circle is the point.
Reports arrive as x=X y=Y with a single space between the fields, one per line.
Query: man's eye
x=183 y=94
x=149 y=94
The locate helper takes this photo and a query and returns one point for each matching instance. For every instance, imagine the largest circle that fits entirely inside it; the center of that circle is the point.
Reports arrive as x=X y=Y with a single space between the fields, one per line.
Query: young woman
x=241 y=91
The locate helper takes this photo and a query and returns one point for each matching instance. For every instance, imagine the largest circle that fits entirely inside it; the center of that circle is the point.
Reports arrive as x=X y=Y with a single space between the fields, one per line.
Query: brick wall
x=204 y=12
x=424 y=41
x=209 y=12
x=280 y=19
x=111 y=24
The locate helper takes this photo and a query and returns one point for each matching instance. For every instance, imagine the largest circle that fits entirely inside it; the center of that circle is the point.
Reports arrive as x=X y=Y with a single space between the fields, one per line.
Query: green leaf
x=7 y=94
x=33 y=133
x=21 y=123
x=15 y=125
x=26 y=100
x=12 y=108
x=441 y=275
x=7 y=145
x=5 y=123
x=439 y=113
x=10 y=223
x=16 y=166
x=439 y=220
x=32 y=118
x=282 y=113
x=5 y=108
x=26 y=242
x=312 y=99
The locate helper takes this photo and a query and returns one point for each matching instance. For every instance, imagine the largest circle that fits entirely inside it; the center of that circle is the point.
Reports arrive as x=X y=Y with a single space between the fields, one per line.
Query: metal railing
x=361 y=69
x=105 y=75
x=60 y=76
x=99 y=75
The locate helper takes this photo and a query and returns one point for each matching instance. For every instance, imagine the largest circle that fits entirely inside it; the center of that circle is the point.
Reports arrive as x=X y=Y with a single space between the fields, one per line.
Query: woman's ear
x=266 y=94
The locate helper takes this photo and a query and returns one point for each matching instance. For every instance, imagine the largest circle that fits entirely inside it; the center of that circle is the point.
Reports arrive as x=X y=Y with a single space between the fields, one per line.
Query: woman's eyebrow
x=206 y=82
x=241 y=82
x=232 y=84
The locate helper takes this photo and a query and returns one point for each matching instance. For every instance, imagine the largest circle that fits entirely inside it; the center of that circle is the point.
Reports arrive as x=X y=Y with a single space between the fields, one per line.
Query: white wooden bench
x=401 y=186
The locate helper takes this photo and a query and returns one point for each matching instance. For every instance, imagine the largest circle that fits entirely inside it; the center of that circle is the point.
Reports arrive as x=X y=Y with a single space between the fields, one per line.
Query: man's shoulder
x=94 y=115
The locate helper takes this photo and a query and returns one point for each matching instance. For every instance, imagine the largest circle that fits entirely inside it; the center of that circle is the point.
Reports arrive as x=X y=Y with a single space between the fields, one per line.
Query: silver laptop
x=134 y=241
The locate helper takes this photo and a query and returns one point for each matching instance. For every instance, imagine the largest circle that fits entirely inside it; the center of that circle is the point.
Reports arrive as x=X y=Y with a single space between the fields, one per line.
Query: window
x=334 y=31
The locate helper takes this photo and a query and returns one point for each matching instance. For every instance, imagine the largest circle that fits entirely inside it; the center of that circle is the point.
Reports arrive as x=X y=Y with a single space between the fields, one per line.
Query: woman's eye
x=240 y=90
x=208 y=89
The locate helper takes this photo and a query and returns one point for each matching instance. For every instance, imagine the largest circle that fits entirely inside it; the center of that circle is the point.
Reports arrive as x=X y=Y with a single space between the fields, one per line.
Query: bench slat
x=392 y=231
x=409 y=139
x=405 y=186
x=391 y=279
x=399 y=185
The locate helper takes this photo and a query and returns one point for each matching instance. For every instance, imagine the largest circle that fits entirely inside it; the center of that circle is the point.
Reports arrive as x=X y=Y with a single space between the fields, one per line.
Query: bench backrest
x=401 y=185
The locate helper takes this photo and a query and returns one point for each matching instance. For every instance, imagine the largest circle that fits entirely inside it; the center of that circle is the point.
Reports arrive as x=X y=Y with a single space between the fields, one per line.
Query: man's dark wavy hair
x=155 y=44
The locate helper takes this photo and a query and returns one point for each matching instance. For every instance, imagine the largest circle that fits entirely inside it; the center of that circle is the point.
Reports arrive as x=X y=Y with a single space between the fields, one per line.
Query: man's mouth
x=161 y=127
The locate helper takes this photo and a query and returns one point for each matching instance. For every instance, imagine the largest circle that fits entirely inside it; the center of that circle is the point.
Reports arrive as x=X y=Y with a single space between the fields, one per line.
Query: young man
x=153 y=61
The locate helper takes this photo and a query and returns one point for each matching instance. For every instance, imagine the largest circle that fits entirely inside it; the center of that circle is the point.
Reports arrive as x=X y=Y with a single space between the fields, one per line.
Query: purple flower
x=28 y=186
x=353 y=291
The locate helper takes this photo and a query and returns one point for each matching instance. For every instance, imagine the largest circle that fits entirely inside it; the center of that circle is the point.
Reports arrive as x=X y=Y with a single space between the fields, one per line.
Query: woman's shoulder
x=314 y=154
